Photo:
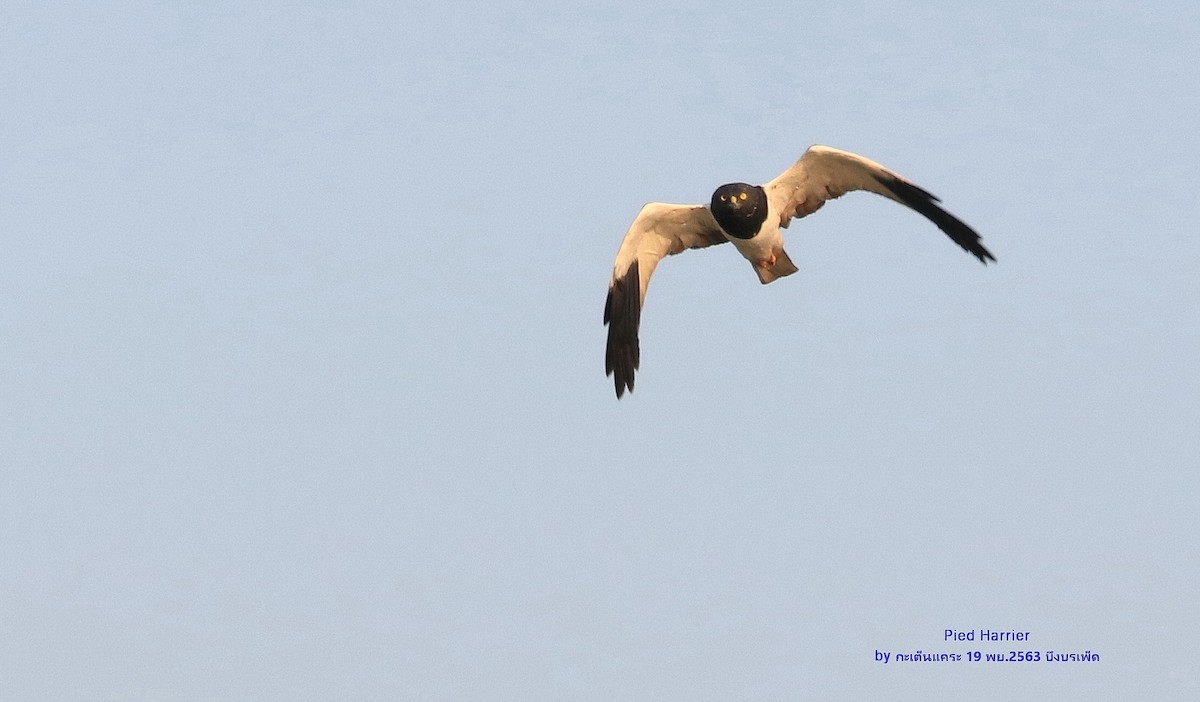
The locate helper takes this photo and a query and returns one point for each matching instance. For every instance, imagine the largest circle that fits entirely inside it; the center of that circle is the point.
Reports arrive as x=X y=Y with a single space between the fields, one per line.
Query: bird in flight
x=751 y=217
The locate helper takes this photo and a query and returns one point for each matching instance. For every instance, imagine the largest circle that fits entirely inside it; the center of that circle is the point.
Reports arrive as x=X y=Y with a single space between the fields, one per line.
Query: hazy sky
x=302 y=389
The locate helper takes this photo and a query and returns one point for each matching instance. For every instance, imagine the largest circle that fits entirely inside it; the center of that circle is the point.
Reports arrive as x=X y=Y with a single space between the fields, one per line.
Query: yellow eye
x=722 y=198
x=742 y=196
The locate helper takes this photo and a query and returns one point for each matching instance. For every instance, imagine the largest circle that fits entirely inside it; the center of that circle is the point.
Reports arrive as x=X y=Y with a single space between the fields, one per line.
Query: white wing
x=824 y=173
x=659 y=230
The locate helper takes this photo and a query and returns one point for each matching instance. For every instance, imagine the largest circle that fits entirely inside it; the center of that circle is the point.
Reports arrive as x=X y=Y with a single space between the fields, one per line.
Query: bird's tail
x=783 y=266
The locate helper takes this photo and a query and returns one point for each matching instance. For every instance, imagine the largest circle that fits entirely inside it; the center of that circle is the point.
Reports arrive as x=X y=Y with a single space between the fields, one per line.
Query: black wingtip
x=925 y=202
x=622 y=314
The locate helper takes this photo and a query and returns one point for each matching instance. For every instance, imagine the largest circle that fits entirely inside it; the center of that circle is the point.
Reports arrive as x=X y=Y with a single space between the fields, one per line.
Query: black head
x=740 y=209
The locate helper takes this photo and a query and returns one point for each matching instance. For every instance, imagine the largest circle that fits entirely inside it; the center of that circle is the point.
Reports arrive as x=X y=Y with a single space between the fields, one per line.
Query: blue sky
x=302 y=380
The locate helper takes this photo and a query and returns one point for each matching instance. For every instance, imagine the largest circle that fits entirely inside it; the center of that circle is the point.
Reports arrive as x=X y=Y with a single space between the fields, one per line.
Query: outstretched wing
x=659 y=230
x=824 y=173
